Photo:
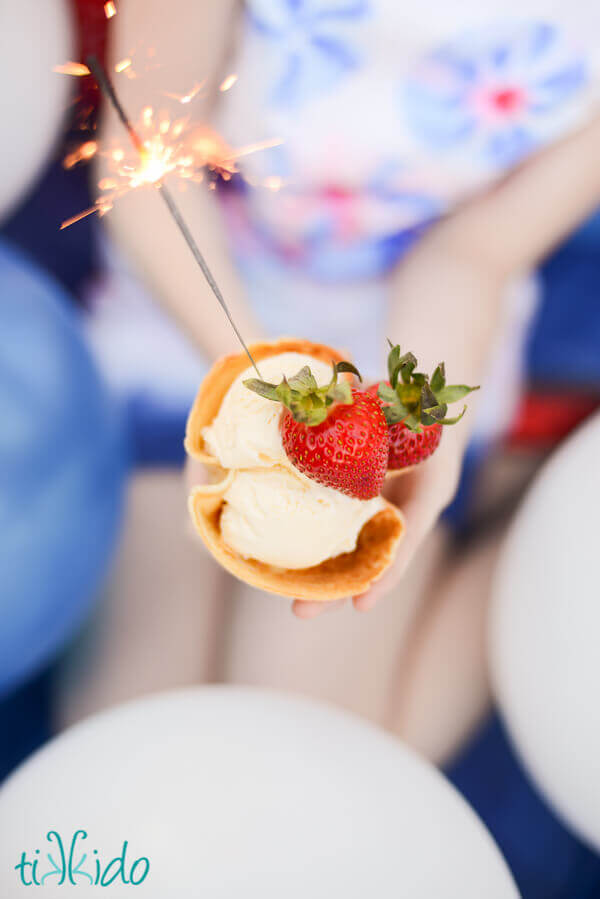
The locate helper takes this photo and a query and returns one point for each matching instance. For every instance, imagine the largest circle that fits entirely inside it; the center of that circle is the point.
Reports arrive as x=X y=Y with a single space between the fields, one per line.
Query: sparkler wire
x=106 y=87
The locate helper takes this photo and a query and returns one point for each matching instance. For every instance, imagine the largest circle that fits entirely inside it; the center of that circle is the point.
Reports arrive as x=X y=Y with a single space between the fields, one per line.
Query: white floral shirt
x=390 y=112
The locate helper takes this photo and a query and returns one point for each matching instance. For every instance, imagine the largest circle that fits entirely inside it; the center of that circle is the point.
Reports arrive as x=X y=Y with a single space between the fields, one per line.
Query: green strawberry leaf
x=433 y=414
x=408 y=394
x=285 y=394
x=393 y=375
x=413 y=424
x=453 y=421
x=304 y=381
x=393 y=363
x=417 y=400
x=395 y=414
x=407 y=363
x=428 y=397
x=340 y=393
x=386 y=393
x=307 y=401
x=269 y=391
x=453 y=392
x=347 y=366
x=438 y=379
x=306 y=416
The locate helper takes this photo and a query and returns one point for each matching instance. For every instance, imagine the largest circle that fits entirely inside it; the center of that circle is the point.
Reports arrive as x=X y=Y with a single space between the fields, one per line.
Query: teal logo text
x=68 y=862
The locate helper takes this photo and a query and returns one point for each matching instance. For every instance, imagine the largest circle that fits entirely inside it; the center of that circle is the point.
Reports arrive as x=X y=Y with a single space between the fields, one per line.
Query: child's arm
x=449 y=296
x=448 y=299
x=189 y=42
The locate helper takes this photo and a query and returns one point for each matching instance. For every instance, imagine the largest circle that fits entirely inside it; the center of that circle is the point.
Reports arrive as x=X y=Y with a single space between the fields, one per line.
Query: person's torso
x=390 y=112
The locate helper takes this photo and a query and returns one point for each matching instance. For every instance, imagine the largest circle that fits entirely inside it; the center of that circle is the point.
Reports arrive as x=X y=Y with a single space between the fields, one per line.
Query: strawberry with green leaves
x=335 y=434
x=415 y=408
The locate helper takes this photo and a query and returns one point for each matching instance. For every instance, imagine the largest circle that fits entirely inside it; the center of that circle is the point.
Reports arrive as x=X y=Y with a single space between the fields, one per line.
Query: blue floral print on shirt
x=305 y=34
x=495 y=93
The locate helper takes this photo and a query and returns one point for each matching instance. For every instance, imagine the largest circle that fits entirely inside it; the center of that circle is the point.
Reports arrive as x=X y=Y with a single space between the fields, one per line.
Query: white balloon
x=36 y=36
x=233 y=792
x=545 y=632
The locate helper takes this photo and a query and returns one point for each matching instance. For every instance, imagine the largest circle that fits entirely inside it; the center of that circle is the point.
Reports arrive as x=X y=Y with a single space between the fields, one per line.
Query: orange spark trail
x=228 y=82
x=186 y=98
x=72 y=68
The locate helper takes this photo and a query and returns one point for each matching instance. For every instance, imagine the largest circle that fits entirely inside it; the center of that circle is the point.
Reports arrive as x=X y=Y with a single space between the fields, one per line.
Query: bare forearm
x=142 y=227
x=447 y=296
x=514 y=226
x=190 y=45
x=444 y=310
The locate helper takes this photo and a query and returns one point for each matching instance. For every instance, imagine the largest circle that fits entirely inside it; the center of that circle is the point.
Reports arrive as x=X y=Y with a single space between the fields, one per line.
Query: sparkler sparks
x=186 y=98
x=156 y=160
x=98 y=207
x=110 y=9
x=72 y=68
x=190 y=152
x=161 y=151
x=84 y=152
x=228 y=82
x=260 y=145
x=273 y=182
x=161 y=147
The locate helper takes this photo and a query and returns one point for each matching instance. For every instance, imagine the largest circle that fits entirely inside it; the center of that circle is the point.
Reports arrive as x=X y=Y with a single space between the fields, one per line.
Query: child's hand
x=422 y=495
x=448 y=297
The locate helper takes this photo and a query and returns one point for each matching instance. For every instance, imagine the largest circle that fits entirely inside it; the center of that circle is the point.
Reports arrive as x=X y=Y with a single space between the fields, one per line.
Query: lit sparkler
x=162 y=146
x=156 y=159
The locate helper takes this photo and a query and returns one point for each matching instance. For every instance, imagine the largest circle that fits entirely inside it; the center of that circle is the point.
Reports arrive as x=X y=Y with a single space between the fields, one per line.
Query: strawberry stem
x=413 y=398
x=308 y=402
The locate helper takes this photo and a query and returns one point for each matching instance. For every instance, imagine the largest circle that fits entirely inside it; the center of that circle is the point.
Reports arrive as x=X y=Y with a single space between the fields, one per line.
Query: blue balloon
x=63 y=463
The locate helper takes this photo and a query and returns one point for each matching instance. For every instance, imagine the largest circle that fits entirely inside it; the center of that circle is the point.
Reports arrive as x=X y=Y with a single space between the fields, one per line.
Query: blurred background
x=101 y=583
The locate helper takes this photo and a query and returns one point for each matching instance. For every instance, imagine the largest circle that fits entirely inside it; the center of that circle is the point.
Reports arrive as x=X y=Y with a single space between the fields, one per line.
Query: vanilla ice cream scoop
x=245 y=432
x=287 y=520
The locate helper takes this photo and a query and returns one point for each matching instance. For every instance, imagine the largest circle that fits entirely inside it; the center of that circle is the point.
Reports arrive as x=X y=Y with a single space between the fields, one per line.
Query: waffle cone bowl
x=348 y=574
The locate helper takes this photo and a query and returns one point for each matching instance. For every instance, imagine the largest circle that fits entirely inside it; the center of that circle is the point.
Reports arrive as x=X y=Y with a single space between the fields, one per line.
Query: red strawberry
x=336 y=434
x=409 y=447
x=415 y=408
x=347 y=451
